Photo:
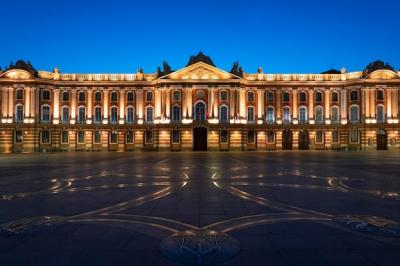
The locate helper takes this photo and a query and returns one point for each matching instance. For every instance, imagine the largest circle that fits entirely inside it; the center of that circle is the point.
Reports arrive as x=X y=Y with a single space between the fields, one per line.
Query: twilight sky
x=119 y=36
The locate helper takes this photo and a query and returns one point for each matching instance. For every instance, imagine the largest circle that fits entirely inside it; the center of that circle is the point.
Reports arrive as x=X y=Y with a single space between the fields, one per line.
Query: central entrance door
x=381 y=140
x=303 y=140
x=199 y=139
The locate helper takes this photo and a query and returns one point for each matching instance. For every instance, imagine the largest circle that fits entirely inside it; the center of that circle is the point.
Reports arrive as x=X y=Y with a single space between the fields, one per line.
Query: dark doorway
x=303 y=140
x=200 y=139
x=287 y=139
x=381 y=140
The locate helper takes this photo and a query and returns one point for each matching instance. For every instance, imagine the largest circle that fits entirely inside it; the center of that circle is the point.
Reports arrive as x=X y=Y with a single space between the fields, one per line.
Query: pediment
x=200 y=71
x=17 y=74
x=383 y=74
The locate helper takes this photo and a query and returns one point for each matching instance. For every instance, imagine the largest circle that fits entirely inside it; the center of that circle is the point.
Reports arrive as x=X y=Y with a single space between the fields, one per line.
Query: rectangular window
x=224 y=137
x=319 y=137
x=176 y=137
x=318 y=97
x=81 y=137
x=270 y=96
x=19 y=136
x=129 y=137
x=149 y=137
x=250 y=136
x=64 y=137
x=113 y=137
x=335 y=97
x=335 y=136
x=20 y=94
x=354 y=136
x=271 y=136
x=45 y=137
x=97 y=137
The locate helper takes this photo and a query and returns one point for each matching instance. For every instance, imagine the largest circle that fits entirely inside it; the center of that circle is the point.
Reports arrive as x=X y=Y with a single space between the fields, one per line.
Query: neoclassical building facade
x=198 y=107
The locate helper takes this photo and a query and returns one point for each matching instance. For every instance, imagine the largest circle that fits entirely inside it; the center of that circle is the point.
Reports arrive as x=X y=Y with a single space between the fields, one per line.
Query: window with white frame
x=335 y=115
x=286 y=96
x=82 y=96
x=176 y=96
x=97 y=114
x=130 y=114
x=45 y=114
x=97 y=96
x=250 y=114
x=176 y=136
x=65 y=96
x=45 y=137
x=45 y=95
x=286 y=115
x=176 y=114
x=270 y=115
x=65 y=115
x=335 y=136
x=81 y=137
x=114 y=96
x=129 y=137
x=250 y=96
x=64 y=137
x=319 y=137
x=19 y=113
x=303 y=115
x=270 y=97
x=113 y=137
x=114 y=115
x=318 y=97
x=149 y=114
x=319 y=116
x=354 y=114
x=223 y=95
x=270 y=136
x=354 y=95
x=354 y=136
x=380 y=114
x=130 y=96
x=149 y=96
x=97 y=137
x=223 y=114
x=81 y=114
x=302 y=97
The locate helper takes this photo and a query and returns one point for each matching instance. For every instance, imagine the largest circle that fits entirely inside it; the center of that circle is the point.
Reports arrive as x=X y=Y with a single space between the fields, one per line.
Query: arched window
x=82 y=96
x=354 y=114
x=130 y=97
x=114 y=96
x=270 y=136
x=97 y=114
x=303 y=115
x=113 y=137
x=200 y=112
x=65 y=96
x=354 y=95
x=65 y=115
x=223 y=114
x=319 y=117
x=176 y=114
x=379 y=95
x=335 y=115
x=114 y=115
x=45 y=114
x=19 y=113
x=149 y=96
x=250 y=114
x=149 y=114
x=130 y=115
x=81 y=114
x=46 y=95
x=81 y=137
x=318 y=96
x=176 y=95
x=302 y=97
x=270 y=97
x=19 y=94
x=286 y=115
x=97 y=96
x=223 y=95
x=270 y=116
x=380 y=114
x=250 y=96
x=286 y=96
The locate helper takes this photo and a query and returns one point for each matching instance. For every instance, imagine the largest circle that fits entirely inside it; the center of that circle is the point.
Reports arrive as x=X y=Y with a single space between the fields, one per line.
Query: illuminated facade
x=198 y=107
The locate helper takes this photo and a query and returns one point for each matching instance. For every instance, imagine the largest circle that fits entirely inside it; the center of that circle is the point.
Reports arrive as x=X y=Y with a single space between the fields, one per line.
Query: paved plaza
x=184 y=208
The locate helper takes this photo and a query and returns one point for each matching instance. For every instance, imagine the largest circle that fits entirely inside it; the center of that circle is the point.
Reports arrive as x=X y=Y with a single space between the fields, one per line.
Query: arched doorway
x=303 y=140
x=199 y=139
x=381 y=140
x=200 y=111
x=287 y=139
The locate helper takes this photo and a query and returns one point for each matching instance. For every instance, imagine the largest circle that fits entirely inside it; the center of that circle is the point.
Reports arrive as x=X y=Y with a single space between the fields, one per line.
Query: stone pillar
x=10 y=102
x=90 y=106
x=367 y=103
x=139 y=106
x=242 y=103
x=327 y=106
x=278 y=106
x=395 y=101
x=232 y=103
x=73 y=106
x=168 y=104
x=56 y=106
x=210 y=102
x=295 y=106
x=121 y=107
x=184 y=103
x=216 y=99
x=389 y=103
x=311 y=106
x=33 y=103
x=4 y=102
x=343 y=105
x=105 y=106
x=189 y=103
x=372 y=107
x=260 y=106
x=27 y=104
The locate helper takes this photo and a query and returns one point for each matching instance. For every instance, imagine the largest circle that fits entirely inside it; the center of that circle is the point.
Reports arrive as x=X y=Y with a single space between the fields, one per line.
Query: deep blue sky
x=120 y=36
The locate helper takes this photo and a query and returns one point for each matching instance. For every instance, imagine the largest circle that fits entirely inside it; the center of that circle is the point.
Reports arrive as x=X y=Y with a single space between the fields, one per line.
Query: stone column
x=73 y=106
x=121 y=106
x=367 y=103
x=395 y=101
x=295 y=106
x=168 y=104
x=4 y=102
x=56 y=106
x=216 y=99
x=139 y=106
x=184 y=103
x=311 y=106
x=372 y=106
x=105 y=106
x=10 y=103
x=327 y=106
x=90 y=106
x=389 y=103
x=33 y=103
x=210 y=102
x=278 y=112
x=189 y=103
x=242 y=103
x=260 y=105
x=231 y=103
x=343 y=105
